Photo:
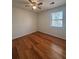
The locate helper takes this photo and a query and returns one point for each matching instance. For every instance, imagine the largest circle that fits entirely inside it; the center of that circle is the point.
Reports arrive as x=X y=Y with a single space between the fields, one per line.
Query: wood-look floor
x=38 y=46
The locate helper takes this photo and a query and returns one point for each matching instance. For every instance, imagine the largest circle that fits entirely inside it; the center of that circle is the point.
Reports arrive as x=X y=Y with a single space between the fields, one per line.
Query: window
x=57 y=19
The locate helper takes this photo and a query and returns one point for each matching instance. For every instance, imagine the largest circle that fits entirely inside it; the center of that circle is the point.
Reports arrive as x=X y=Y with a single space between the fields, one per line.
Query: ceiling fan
x=35 y=4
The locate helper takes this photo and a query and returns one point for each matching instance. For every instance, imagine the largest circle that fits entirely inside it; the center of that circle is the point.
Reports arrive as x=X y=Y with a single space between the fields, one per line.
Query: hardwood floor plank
x=47 y=44
x=15 y=53
x=58 y=41
x=39 y=46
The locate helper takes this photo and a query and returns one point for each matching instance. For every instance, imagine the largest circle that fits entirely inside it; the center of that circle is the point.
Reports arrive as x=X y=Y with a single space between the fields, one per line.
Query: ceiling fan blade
x=52 y=3
x=39 y=7
x=40 y=3
x=30 y=1
x=27 y=5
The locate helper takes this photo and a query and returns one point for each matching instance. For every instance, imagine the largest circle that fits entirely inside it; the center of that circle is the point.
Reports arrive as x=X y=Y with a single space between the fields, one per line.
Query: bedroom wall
x=23 y=22
x=44 y=23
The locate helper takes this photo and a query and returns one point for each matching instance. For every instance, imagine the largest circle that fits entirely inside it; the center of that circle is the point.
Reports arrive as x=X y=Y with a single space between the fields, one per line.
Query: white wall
x=44 y=24
x=23 y=22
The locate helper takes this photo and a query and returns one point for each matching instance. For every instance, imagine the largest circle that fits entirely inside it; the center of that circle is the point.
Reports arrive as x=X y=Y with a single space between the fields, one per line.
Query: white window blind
x=57 y=19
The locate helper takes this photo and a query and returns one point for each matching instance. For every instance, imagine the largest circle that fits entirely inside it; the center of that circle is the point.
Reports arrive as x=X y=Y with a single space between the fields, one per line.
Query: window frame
x=59 y=19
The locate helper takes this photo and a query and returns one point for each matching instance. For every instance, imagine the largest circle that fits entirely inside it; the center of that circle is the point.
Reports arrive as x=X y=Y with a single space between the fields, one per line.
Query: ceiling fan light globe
x=34 y=7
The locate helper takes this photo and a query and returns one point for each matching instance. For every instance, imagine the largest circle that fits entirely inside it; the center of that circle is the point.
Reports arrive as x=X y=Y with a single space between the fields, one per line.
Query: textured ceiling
x=46 y=4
